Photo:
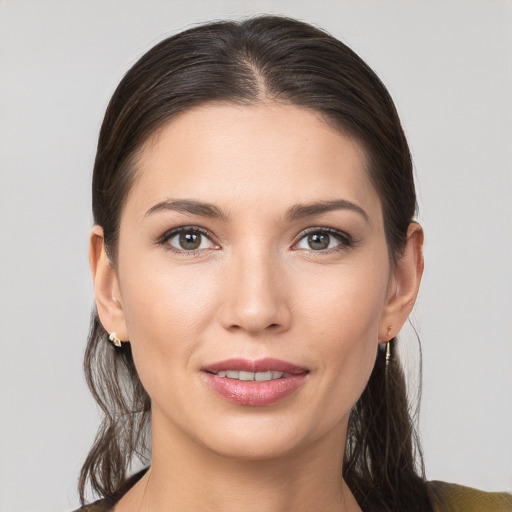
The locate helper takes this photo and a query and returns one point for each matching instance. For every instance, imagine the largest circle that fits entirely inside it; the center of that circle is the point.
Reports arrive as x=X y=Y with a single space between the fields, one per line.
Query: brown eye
x=319 y=241
x=188 y=240
x=324 y=240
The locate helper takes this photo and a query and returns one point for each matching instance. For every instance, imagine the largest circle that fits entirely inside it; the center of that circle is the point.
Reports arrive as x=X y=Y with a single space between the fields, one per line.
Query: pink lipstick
x=257 y=383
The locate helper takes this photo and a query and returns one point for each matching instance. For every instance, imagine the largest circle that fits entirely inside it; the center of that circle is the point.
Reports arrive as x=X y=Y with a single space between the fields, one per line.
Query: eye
x=323 y=240
x=188 y=240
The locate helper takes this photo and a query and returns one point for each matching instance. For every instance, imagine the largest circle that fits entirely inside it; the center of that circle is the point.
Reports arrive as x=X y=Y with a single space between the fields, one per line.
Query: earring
x=114 y=339
x=388 y=347
x=388 y=353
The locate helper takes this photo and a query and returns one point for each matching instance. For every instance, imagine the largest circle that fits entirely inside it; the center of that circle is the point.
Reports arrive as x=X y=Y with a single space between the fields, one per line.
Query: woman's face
x=252 y=241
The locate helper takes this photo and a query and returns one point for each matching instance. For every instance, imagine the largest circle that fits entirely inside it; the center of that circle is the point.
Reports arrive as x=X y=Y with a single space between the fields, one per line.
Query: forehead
x=266 y=154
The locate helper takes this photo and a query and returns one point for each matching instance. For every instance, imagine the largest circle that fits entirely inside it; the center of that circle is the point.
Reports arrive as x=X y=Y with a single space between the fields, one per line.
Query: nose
x=255 y=294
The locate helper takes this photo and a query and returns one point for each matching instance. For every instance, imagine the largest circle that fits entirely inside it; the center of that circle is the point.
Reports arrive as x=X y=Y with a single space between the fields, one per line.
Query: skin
x=254 y=289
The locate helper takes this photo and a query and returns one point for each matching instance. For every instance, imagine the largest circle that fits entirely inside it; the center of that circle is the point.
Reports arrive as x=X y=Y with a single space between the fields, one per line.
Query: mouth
x=256 y=383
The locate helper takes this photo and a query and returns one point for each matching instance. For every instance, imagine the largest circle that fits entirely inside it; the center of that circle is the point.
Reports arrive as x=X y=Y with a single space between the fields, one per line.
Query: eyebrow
x=188 y=206
x=300 y=211
x=296 y=212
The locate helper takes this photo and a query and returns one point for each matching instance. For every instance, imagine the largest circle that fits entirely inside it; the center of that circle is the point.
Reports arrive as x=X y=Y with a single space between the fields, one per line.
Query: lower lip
x=255 y=393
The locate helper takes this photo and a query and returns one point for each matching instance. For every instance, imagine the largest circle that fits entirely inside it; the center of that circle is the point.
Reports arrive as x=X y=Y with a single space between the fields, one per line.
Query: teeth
x=260 y=376
x=257 y=376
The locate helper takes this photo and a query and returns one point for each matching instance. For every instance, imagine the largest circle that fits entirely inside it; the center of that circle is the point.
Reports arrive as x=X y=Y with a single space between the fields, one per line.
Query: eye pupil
x=190 y=241
x=318 y=241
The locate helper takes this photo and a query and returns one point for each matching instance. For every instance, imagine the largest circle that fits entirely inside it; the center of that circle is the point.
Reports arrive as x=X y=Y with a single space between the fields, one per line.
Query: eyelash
x=346 y=241
x=168 y=235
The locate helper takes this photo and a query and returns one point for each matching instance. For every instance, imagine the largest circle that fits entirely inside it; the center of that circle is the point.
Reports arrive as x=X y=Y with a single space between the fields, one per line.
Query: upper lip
x=267 y=364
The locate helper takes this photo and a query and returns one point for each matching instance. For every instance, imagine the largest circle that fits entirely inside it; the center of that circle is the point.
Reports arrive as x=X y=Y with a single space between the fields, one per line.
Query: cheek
x=166 y=311
x=348 y=341
x=343 y=312
x=346 y=302
x=157 y=294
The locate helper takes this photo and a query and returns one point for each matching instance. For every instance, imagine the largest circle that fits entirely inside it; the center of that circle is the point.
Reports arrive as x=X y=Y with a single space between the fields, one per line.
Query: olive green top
x=458 y=498
x=445 y=497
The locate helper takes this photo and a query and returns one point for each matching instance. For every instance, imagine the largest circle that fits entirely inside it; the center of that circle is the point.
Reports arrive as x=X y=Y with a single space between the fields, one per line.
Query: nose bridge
x=256 y=293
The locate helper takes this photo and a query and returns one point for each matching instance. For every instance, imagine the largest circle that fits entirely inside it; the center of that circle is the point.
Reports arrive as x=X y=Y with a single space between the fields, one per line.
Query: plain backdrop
x=448 y=65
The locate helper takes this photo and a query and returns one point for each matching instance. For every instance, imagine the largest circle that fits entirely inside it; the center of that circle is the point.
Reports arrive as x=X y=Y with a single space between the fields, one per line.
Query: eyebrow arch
x=304 y=210
x=188 y=206
x=296 y=212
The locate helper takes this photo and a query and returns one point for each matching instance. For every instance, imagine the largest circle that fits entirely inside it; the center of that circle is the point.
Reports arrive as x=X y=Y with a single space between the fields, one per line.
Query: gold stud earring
x=114 y=339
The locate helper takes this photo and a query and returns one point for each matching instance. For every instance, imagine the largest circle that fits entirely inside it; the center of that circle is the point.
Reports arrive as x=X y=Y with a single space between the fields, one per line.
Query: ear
x=404 y=285
x=106 y=288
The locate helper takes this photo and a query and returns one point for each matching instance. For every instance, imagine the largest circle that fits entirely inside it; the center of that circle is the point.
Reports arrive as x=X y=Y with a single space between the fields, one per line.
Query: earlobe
x=406 y=281
x=106 y=288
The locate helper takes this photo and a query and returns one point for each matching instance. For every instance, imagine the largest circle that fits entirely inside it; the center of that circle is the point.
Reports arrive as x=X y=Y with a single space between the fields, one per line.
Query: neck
x=186 y=476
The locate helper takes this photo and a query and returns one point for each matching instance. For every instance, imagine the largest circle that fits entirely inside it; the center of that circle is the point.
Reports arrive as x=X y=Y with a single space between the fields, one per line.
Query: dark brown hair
x=265 y=58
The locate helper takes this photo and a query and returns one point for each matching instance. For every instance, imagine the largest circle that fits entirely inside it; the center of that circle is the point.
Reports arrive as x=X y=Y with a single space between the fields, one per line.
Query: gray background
x=448 y=66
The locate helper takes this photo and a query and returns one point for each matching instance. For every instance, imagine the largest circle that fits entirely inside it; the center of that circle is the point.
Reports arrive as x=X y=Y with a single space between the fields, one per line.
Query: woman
x=254 y=256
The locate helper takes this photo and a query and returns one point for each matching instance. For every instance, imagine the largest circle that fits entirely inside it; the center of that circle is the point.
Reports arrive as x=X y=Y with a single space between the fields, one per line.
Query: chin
x=254 y=438
x=258 y=447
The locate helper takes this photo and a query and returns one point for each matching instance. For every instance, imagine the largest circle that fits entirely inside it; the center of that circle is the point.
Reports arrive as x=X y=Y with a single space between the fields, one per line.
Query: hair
x=261 y=59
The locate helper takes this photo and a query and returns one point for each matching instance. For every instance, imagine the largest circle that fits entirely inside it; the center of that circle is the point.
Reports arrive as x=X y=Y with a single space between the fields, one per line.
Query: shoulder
x=447 y=497
x=97 y=506
x=107 y=505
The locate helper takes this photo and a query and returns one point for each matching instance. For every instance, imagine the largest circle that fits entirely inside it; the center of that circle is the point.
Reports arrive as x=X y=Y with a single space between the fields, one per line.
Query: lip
x=255 y=393
x=267 y=364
